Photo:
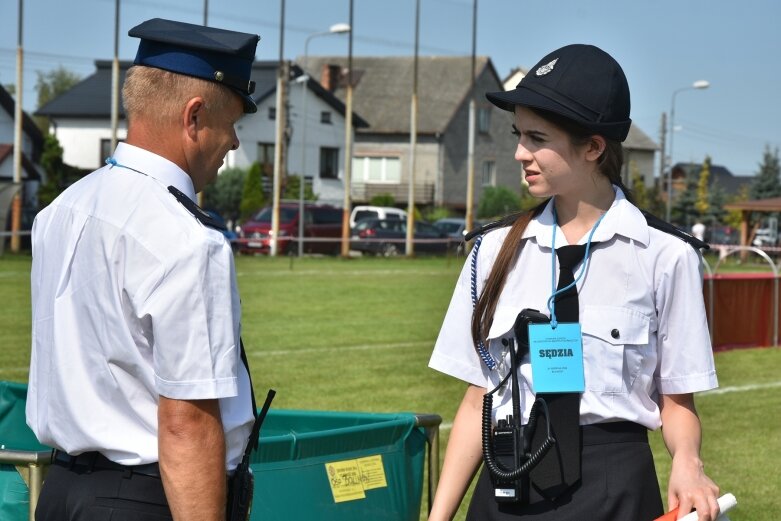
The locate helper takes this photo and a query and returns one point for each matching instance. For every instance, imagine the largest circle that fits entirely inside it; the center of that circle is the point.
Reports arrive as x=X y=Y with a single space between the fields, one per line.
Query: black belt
x=97 y=461
x=613 y=432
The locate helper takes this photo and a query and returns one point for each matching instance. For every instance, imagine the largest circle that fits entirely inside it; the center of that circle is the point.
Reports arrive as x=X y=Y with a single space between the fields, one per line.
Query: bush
x=293 y=187
x=497 y=201
x=252 y=198
x=383 y=200
x=225 y=194
x=437 y=213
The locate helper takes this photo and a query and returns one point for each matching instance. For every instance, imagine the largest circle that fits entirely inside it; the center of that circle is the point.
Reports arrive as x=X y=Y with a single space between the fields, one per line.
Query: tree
x=766 y=182
x=58 y=174
x=293 y=189
x=497 y=201
x=49 y=85
x=224 y=195
x=684 y=211
x=734 y=218
x=702 y=204
x=252 y=197
x=645 y=198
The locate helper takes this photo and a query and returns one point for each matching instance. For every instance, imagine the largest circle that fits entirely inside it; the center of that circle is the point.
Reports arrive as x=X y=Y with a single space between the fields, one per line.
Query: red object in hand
x=669 y=516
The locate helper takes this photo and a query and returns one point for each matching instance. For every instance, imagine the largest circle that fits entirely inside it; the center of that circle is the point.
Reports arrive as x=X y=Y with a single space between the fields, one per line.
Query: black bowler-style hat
x=208 y=53
x=580 y=82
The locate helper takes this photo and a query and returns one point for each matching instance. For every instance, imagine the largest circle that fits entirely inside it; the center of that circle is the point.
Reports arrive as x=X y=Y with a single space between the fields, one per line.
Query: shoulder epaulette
x=661 y=225
x=507 y=220
x=652 y=220
x=196 y=210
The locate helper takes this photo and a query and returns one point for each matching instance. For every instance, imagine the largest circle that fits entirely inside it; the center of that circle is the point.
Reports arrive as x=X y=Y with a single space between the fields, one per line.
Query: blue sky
x=662 y=45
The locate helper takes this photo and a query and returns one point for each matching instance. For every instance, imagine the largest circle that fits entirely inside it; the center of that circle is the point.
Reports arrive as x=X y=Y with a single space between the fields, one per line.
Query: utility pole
x=281 y=119
x=470 y=172
x=662 y=157
x=413 y=141
x=348 y=142
x=16 y=204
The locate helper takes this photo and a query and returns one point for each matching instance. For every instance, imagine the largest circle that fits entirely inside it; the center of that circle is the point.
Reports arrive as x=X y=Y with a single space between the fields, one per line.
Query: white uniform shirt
x=644 y=283
x=132 y=299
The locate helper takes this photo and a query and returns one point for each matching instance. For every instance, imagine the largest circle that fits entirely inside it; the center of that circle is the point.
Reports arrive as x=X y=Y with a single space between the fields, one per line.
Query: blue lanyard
x=551 y=303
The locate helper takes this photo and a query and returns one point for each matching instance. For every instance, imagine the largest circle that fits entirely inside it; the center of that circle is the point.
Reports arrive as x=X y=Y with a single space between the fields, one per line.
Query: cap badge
x=218 y=75
x=545 y=69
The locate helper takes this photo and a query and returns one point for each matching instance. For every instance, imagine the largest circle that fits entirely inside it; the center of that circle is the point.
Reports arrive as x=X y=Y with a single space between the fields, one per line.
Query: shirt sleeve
x=685 y=354
x=193 y=316
x=454 y=352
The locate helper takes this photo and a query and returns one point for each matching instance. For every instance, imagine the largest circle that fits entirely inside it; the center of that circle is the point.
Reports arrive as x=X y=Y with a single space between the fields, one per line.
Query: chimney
x=329 y=76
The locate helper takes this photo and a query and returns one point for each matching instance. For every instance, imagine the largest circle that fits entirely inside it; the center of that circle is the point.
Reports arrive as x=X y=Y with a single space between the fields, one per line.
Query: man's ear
x=596 y=146
x=192 y=117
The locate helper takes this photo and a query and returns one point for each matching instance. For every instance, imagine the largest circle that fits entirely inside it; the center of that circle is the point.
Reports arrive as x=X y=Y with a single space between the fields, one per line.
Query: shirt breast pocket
x=615 y=340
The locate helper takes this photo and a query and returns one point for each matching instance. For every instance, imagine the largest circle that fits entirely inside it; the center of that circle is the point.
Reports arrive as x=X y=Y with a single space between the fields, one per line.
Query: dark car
x=322 y=230
x=388 y=236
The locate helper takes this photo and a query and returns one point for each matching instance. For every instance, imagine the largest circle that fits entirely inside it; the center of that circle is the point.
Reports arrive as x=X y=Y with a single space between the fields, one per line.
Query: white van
x=376 y=212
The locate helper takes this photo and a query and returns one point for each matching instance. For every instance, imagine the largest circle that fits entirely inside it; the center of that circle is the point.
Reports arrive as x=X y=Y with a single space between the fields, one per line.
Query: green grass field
x=356 y=335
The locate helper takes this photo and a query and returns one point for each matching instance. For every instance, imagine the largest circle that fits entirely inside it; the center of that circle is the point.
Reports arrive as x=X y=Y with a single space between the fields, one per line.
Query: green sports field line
x=362 y=347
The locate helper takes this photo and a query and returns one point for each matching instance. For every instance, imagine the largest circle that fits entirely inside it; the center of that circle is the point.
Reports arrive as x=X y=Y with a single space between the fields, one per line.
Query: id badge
x=557 y=358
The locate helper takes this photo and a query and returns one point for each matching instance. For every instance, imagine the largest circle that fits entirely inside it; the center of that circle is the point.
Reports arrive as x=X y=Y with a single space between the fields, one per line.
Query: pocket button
x=615 y=333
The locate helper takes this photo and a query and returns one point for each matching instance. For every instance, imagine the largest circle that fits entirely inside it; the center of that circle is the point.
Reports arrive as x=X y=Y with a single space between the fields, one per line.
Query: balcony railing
x=363 y=192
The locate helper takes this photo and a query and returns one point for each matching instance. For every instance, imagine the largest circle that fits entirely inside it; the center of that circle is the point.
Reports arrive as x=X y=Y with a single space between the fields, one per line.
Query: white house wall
x=259 y=128
x=80 y=140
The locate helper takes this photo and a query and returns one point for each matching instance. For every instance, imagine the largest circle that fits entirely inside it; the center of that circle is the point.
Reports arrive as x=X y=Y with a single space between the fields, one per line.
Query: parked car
x=388 y=237
x=376 y=212
x=320 y=222
x=455 y=228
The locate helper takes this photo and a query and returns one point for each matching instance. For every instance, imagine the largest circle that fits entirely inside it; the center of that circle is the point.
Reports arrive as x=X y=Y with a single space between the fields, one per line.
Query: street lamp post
x=340 y=28
x=697 y=85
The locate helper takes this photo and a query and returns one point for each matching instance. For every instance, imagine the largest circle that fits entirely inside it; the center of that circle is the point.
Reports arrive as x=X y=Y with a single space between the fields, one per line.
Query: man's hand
x=191 y=450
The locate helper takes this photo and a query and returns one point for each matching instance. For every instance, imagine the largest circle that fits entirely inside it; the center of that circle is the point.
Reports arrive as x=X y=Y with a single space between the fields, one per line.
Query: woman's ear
x=595 y=147
x=192 y=117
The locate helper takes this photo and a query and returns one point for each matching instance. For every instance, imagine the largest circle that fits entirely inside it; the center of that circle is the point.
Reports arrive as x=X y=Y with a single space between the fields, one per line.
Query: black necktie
x=560 y=468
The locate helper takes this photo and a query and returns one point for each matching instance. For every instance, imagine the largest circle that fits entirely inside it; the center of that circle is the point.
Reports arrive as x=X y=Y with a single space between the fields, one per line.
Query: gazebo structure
x=746 y=208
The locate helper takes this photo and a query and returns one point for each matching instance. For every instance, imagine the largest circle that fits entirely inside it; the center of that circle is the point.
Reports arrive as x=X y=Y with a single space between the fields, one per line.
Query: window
x=489 y=173
x=266 y=158
x=329 y=163
x=325 y=117
x=272 y=113
x=484 y=120
x=105 y=150
x=377 y=169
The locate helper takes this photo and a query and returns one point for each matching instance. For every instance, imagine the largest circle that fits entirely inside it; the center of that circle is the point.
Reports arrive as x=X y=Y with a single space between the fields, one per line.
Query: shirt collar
x=156 y=167
x=623 y=218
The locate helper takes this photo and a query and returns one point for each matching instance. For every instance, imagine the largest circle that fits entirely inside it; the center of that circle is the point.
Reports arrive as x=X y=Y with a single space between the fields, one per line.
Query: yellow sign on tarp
x=345 y=480
x=372 y=472
x=350 y=478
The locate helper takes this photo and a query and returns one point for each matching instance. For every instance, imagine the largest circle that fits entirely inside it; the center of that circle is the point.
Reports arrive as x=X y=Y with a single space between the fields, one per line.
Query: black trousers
x=81 y=493
x=618 y=483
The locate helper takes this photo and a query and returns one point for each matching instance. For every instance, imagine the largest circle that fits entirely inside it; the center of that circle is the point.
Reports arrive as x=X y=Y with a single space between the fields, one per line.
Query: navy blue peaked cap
x=583 y=83
x=208 y=53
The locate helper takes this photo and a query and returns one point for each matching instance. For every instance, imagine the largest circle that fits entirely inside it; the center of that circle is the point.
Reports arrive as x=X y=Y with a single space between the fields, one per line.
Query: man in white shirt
x=136 y=375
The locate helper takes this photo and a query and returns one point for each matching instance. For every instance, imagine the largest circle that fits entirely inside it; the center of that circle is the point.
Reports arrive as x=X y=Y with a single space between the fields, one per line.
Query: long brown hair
x=610 y=163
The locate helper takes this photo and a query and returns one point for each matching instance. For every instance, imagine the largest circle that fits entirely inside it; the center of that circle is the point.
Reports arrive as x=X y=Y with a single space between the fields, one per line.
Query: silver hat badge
x=545 y=69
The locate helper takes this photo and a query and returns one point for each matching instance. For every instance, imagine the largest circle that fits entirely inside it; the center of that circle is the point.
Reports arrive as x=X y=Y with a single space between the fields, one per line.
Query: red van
x=322 y=230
